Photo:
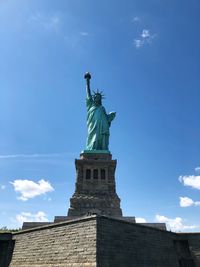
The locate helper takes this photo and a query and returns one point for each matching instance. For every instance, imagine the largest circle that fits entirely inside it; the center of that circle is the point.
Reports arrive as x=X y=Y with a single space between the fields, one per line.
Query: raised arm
x=88 y=92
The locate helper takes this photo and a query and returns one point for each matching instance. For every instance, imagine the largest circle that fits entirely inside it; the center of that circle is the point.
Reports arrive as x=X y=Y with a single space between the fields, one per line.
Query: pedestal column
x=95 y=190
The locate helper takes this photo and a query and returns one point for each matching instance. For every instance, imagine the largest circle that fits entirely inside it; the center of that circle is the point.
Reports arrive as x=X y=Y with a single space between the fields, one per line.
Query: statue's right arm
x=88 y=91
x=87 y=77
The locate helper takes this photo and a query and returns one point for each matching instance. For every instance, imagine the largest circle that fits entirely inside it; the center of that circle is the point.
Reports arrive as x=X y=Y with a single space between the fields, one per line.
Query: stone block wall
x=95 y=188
x=6 y=249
x=121 y=244
x=100 y=241
x=193 y=240
x=61 y=245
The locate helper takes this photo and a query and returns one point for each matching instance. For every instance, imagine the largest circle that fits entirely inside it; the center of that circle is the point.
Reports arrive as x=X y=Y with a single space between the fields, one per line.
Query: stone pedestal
x=95 y=191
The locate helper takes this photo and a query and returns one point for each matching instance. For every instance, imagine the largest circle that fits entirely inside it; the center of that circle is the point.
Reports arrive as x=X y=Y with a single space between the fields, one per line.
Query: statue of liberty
x=98 y=121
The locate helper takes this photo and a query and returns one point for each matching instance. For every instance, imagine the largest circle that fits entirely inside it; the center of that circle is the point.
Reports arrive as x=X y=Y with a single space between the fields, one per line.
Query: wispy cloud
x=74 y=40
x=136 y=19
x=190 y=180
x=30 y=189
x=197 y=169
x=40 y=216
x=47 y=198
x=146 y=37
x=188 y=202
x=26 y=156
x=49 y=22
x=175 y=224
x=3 y=187
x=138 y=43
x=84 y=33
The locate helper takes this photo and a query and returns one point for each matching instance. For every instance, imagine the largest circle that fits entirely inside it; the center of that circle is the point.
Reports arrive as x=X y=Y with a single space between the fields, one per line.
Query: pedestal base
x=95 y=191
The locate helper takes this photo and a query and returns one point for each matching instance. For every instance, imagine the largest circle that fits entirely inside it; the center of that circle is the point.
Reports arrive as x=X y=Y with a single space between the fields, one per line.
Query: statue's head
x=97 y=97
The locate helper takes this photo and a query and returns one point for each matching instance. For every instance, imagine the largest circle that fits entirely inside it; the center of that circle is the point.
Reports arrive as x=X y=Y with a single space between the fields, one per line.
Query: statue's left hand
x=111 y=116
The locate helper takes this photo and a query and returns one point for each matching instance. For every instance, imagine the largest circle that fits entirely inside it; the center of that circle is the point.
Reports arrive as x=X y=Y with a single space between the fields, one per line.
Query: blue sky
x=145 y=56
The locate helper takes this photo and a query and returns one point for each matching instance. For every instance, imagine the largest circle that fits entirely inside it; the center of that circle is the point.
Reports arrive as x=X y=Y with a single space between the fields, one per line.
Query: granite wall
x=100 y=241
x=61 y=245
x=121 y=244
x=193 y=240
x=6 y=249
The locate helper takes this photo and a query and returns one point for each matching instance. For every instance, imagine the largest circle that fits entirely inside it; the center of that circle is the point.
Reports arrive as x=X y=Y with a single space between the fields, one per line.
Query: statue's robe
x=98 y=123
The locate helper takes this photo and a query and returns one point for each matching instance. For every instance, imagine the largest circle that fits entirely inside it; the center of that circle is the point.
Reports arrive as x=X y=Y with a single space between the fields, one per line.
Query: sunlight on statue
x=98 y=121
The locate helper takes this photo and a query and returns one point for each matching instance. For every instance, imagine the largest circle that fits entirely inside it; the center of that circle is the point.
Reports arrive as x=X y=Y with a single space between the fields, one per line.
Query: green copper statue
x=98 y=121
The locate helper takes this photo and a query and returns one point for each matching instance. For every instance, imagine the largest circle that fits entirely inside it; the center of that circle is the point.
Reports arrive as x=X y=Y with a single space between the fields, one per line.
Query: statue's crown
x=98 y=93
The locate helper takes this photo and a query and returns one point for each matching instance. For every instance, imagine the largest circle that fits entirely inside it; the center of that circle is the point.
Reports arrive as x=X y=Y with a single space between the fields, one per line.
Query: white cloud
x=49 y=22
x=187 y=202
x=145 y=38
x=175 y=224
x=138 y=43
x=140 y=220
x=191 y=180
x=40 y=216
x=30 y=189
x=3 y=187
x=145 y=34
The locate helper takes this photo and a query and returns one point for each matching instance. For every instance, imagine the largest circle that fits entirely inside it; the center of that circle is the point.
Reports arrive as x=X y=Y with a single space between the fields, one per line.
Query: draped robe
x=98 y=124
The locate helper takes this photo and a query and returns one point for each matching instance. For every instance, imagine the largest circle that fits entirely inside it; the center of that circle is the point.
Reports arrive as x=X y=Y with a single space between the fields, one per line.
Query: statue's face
x=97 y=99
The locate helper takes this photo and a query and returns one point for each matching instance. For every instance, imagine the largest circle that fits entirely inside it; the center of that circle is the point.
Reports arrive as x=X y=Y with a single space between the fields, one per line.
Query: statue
x=98 y=121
